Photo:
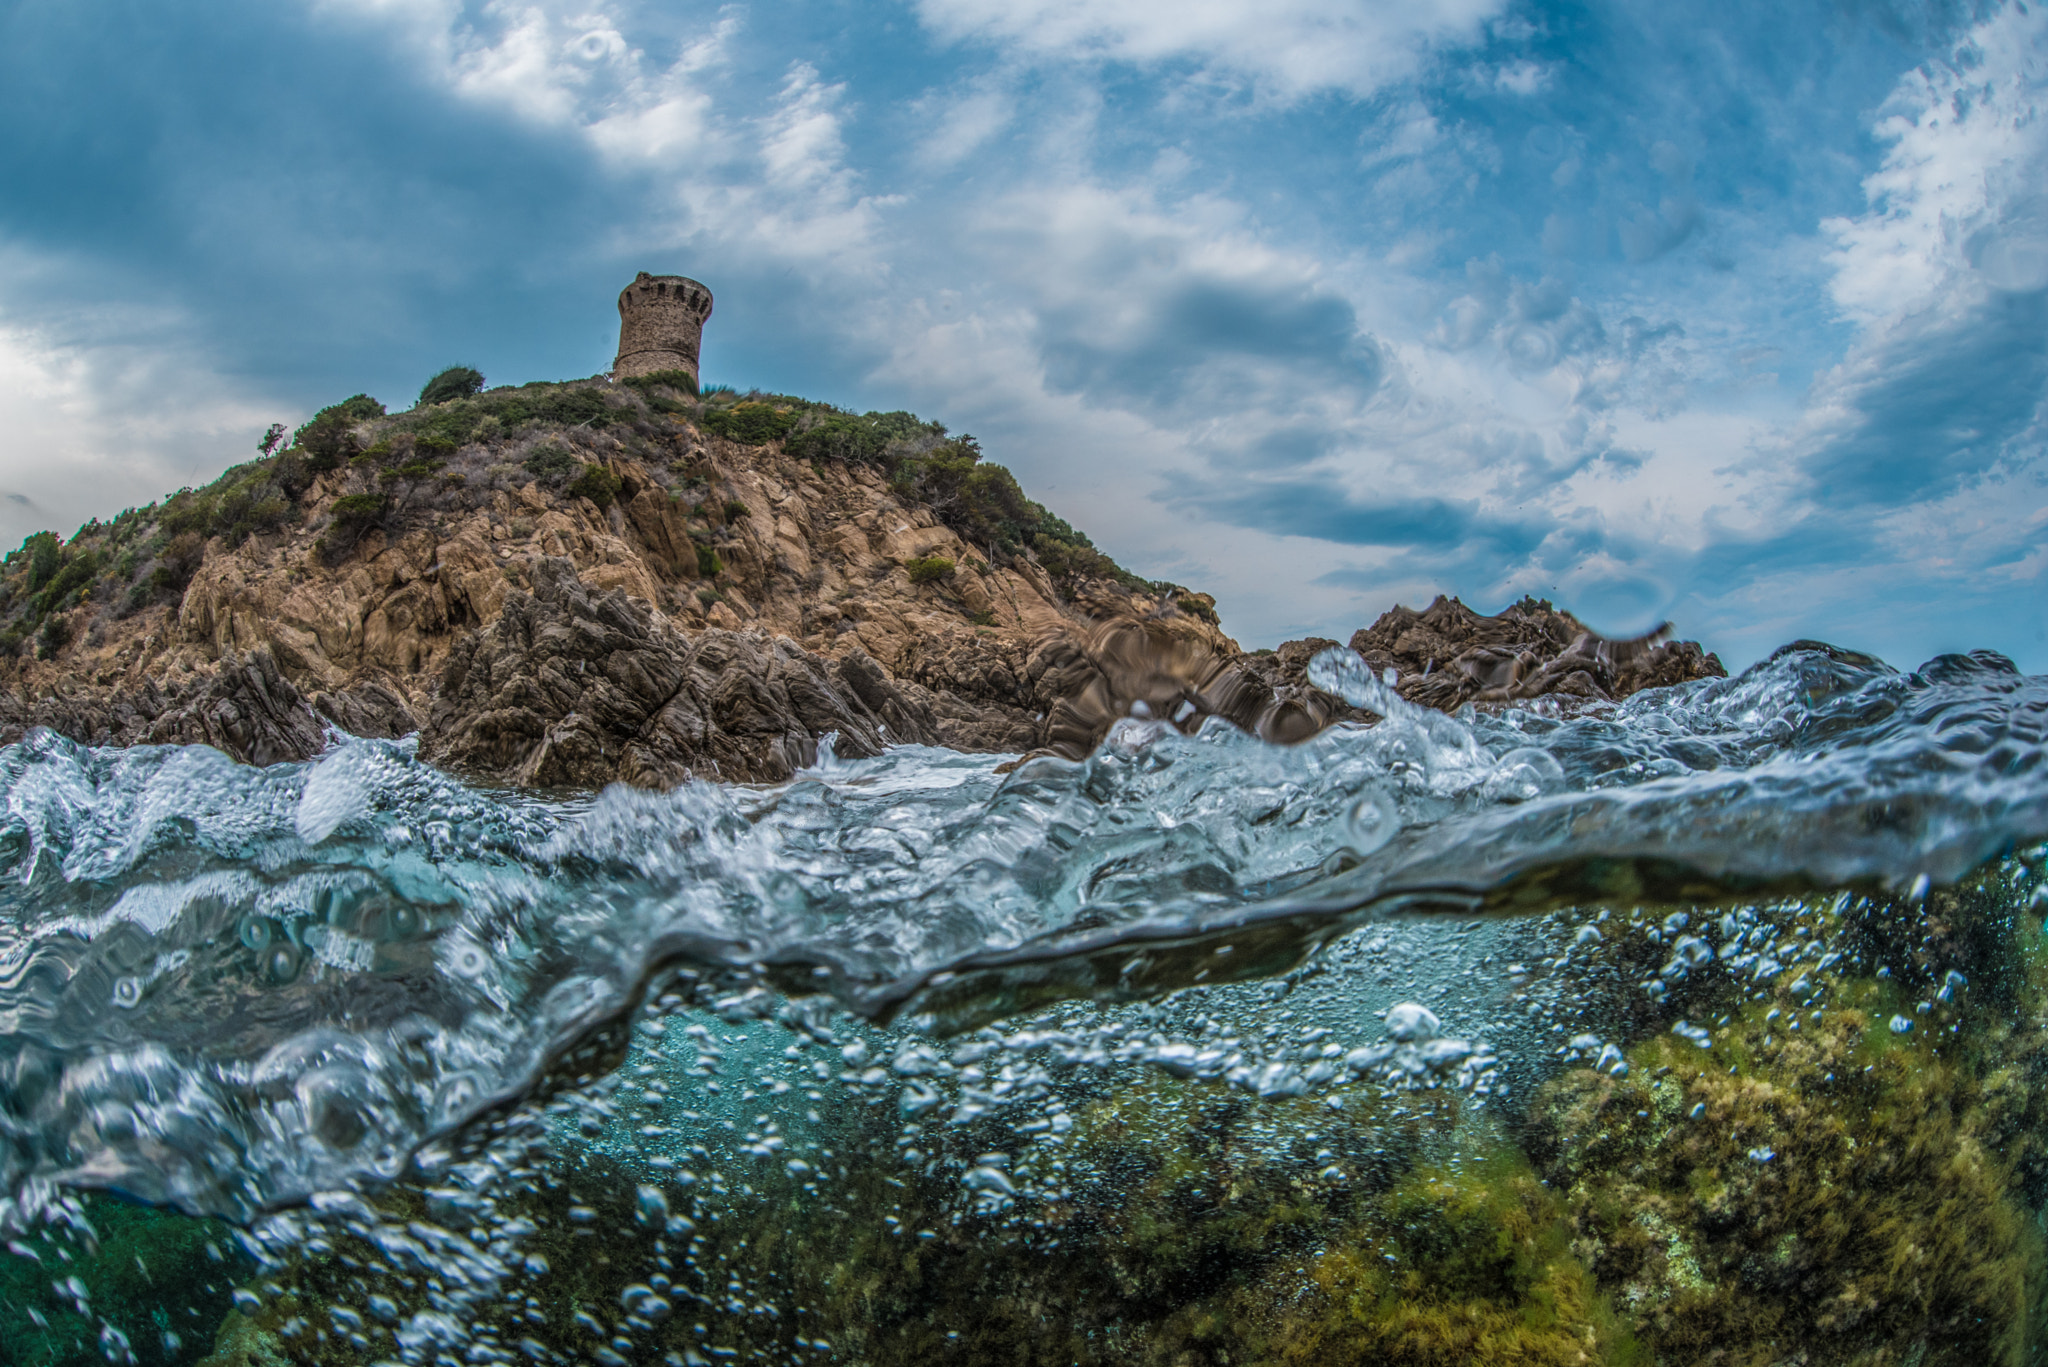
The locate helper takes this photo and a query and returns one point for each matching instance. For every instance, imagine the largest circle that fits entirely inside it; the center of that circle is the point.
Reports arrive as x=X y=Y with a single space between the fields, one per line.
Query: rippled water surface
x=1713 y=1022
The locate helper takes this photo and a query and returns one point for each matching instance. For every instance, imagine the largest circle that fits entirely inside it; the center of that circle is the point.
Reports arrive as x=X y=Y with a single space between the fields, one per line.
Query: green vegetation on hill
x=461 y=443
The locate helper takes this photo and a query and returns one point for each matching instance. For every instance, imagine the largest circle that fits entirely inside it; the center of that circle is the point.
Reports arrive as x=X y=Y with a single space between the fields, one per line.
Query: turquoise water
x=1713 y=1018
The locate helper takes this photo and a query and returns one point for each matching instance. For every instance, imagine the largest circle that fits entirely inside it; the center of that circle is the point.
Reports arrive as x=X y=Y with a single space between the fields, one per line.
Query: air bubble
x=1371 y=823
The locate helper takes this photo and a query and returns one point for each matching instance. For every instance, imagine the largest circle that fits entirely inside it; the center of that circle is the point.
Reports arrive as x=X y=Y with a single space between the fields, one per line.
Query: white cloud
x=961 y=123
x=561 y=66
x=1289 y=47
x=1968 y=145
x=755 y=178
x=110 y=408
x=1522 y=78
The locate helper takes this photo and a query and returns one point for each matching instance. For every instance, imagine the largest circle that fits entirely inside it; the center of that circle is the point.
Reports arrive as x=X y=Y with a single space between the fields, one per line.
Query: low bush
x=750 y=422
x=329 y=439
x=872 y=438
x=597 y=484
x=735 y=510
x=176 y=563
x=840 y=437
x=44 y=559
x=928 y=569
x=412 y=470
x=456 y=382
x=79 y=571
x=709 y=566
x=359 y=510
x=553 y=464
x=55 y=635
x=682 y=381
x=353 y=517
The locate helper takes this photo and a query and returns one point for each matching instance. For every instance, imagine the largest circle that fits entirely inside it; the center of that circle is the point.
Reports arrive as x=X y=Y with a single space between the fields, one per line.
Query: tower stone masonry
x=661 y=324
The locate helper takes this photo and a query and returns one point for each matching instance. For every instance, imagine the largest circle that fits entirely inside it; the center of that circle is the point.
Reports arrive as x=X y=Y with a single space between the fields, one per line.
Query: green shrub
x=734 y=510
x=79 y=571
x=55 y=635
x=553 y=464
x=929 y=569
x=329 y=439
x=456 y=382
x=292 y=475
x=872 y=438
x=583 y=407
x=709 y=596
x=359 y=511
x=413 y=470
x=709 y=566
x=495 y=412
x=597 y=484
x=840 y=437
x=682 y=381
x=177 y=562
x=44 y=559
x=750 y=422
x=353 y=517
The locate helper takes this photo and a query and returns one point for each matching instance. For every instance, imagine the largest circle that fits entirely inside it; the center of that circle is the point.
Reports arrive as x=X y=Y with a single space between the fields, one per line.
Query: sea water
x=1713 y=1022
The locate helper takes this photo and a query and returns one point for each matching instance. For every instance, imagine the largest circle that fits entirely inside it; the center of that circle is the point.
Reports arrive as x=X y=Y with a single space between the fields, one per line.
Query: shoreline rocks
x=572 y=685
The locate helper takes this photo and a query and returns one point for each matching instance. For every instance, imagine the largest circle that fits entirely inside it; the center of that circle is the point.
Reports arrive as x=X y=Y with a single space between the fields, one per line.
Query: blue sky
x=1730 y=313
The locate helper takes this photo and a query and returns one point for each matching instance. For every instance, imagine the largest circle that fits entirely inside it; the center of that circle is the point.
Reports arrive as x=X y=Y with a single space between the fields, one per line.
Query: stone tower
x=661 y=323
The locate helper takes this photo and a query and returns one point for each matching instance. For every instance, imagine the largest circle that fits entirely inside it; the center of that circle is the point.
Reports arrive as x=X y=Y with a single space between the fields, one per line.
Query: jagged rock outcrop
x=1448 y=655
x=574 y=688
x=246 y=707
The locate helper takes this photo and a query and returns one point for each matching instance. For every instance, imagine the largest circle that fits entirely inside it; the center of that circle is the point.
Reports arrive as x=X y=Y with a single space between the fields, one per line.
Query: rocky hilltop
x=567 y=585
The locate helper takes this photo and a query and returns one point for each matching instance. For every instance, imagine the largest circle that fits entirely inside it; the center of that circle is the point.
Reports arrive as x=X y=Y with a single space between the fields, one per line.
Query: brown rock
x=576 y=688
x=246 y=707
x=1448 y=655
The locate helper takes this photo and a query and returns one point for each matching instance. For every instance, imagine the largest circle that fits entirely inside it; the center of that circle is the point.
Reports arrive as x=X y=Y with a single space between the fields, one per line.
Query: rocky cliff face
x=690 y=605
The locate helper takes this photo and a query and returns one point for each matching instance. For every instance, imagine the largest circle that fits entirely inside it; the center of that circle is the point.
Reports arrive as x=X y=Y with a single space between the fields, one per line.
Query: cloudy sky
x=1734 y=313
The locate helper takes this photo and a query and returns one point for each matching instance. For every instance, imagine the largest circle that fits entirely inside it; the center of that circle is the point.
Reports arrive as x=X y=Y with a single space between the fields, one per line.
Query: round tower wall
x=661 y=325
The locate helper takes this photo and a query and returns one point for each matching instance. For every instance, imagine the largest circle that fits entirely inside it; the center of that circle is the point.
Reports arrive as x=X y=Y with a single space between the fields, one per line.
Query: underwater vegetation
x=1843 y=1164
x=1838 y=1169
x=111 y=1281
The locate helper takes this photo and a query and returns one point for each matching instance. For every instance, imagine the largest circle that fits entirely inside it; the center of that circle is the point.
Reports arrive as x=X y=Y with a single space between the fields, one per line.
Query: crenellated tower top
x=661 y=324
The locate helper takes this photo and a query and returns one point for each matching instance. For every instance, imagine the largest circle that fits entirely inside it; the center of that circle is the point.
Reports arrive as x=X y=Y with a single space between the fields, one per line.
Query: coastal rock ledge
x=567 y=586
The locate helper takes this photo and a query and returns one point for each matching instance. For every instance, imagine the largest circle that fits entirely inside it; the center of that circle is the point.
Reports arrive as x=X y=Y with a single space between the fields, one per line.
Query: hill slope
x=352 y=566
x=570 y=584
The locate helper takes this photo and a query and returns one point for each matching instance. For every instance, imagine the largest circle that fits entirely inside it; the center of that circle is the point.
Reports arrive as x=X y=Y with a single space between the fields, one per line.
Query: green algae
x=1817 y=1185
x=159 y=1280
x=1465 y=1264
x=1812 y=1187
